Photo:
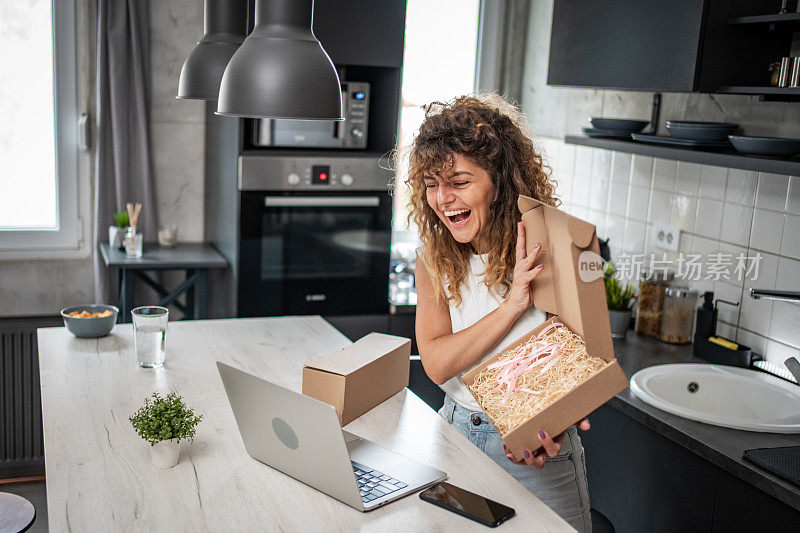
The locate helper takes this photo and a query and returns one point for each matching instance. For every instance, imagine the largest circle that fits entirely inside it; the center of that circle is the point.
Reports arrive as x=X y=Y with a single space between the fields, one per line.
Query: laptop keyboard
x=373 y=484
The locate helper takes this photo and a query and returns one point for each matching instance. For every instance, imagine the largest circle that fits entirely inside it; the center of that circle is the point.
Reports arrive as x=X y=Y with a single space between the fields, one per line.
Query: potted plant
x=163 y=421
x=620 y=300
x=116 y=234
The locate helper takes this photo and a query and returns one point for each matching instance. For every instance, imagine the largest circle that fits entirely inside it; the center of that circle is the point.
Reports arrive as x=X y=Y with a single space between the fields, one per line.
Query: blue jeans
x=561 y=484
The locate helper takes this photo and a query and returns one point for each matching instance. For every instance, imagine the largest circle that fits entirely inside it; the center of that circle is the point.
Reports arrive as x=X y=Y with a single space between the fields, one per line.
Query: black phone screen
x=466 y=503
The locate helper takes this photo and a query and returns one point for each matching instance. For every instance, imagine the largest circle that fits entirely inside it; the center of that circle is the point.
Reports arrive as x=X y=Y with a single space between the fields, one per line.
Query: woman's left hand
x=550 y=447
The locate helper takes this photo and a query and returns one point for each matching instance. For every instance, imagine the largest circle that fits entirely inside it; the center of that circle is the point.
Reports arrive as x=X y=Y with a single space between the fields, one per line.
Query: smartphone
x=468 y=504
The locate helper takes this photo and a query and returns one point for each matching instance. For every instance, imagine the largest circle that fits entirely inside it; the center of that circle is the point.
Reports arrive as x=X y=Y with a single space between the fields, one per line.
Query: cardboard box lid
x=578 y=297
x=362 y=352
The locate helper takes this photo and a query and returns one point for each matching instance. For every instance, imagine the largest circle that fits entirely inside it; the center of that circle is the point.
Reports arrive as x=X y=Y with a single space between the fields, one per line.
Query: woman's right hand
x=519 y=296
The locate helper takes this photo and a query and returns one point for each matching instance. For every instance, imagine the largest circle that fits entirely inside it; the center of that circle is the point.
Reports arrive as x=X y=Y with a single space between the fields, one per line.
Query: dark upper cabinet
x=362 y=32
x=657 y=45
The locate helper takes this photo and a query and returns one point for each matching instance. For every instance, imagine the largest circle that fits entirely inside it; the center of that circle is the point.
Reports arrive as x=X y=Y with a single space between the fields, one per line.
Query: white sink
x=721 y=395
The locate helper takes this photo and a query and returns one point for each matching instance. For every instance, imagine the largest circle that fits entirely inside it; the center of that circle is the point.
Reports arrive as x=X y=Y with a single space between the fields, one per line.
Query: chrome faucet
x=771 y=294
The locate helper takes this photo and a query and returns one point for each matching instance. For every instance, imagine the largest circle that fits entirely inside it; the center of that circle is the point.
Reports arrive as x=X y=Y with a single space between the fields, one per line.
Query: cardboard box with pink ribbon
x=570 y=287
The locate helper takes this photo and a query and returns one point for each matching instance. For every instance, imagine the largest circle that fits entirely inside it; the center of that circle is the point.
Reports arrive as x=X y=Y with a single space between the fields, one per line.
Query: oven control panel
x=268 y=173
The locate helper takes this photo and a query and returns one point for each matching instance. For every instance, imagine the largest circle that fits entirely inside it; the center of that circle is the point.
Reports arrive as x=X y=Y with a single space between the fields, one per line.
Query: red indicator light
x=323 y=176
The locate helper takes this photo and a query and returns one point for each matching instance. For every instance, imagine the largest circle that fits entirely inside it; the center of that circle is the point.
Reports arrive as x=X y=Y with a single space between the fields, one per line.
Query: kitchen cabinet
x=651 y=45
x=643 y=481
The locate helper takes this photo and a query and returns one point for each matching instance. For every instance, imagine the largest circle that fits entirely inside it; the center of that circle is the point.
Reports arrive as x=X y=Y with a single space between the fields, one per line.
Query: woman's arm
x=445 y=354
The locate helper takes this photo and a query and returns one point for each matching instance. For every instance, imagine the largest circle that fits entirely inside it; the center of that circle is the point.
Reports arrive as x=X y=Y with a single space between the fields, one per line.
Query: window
x=438 y=64
x=38 y=153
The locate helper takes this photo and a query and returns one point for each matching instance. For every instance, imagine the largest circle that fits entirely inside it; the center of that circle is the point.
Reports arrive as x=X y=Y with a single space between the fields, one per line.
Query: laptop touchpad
x=370 y=454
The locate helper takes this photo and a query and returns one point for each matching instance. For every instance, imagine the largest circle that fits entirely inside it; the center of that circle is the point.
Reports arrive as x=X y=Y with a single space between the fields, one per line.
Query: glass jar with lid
x=677 y=318
x=651 y=300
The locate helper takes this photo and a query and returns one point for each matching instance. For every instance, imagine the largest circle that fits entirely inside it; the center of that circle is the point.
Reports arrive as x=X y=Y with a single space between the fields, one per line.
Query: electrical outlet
x=666 y=237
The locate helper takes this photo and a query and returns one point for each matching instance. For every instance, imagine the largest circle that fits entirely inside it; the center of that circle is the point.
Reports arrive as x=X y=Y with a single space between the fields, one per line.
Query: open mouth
x=458 y=216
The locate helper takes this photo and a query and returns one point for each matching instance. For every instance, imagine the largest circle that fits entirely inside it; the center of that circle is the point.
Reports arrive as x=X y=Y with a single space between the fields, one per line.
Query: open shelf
x=792 y=19
x=728 y=159
x=784 y=93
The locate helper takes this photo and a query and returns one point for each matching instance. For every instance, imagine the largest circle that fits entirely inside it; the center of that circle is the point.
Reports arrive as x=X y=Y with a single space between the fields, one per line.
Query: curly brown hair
x=493 y=134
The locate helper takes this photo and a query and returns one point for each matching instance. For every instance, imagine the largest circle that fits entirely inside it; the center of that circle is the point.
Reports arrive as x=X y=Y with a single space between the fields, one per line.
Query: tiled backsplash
x=719 y=210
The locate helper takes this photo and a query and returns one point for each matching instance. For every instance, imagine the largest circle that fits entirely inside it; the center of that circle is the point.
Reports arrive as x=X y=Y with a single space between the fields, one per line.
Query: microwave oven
x=350 y=133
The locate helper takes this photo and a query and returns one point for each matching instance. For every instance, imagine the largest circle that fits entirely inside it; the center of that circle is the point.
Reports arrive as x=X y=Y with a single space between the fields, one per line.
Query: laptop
x=301 y=437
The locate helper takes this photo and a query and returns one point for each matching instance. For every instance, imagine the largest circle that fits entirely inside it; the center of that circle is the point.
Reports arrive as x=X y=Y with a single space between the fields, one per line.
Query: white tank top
x=478 y=301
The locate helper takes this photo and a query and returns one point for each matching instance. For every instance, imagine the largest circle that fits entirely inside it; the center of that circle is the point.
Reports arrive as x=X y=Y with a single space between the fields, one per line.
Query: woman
x=468 y=164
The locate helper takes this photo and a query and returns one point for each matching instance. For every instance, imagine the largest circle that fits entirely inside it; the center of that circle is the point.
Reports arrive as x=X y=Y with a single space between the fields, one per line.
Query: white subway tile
x=634 y=236
x=618 y=197
x=659 y=211
x=642 y=170
x=598 y=195
x=712 y=182
x=772 y=191
x=777 y=353
x=583 y=161
x=601 y=164
x=741 y=187
x=621 y=167
x=681 y=211
x=755 y=315
x=566 y=159
x=736 y=221
x=767 y=231
x=687 y=178
x=762 y=272
x=664 y=171
x=793 y=200
x=757 y=343
x=708 y=220
x=788 y=274
x=783 y=325
x=580 y=190
x=705 y=246
x=790 y=244
x=725 y=330
x=615 y=231
x=638 y=199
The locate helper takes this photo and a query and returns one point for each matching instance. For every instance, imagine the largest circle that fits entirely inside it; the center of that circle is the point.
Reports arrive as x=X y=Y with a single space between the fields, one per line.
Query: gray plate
x=701 y=131
x=618 y=124
x=774 y=146
x=606 y=134
x=90 y=328
x=685 y=143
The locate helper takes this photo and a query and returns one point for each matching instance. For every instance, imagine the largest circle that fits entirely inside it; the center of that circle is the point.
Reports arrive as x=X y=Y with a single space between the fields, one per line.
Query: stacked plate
x=769 y=146
x=614 y=128
x=689 y=134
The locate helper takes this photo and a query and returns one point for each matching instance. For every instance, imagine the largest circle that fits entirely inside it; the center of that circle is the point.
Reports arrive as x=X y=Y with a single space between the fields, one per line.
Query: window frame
x=67 y=235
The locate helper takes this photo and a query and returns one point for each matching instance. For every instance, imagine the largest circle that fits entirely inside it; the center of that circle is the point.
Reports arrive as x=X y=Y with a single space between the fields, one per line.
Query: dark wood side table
x=194 y=258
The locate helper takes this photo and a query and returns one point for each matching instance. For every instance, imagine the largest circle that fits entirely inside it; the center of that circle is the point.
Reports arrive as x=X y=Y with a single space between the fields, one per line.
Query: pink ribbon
x=526 y=357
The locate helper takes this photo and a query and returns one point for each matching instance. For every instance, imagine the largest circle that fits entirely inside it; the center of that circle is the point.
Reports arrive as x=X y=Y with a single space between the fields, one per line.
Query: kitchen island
x=98 y=471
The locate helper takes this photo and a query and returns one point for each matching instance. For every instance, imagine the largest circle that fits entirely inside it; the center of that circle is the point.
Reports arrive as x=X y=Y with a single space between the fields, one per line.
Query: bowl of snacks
x=90 y=321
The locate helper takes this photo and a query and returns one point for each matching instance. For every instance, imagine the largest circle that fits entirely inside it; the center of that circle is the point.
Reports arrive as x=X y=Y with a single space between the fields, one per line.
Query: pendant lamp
x=225 y=29
x=281 y=69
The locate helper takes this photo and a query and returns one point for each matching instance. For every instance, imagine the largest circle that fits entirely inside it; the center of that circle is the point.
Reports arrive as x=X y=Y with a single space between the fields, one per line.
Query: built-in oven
x=350 y=133
x=314 y=236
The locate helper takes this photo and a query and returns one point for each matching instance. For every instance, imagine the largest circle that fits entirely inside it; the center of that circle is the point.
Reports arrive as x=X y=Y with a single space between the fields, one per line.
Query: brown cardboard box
x=571 y=287
x=359 y=376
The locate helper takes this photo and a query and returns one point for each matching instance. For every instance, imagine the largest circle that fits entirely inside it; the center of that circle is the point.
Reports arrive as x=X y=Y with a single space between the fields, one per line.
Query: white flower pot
x=165 y=454
x=115 y=236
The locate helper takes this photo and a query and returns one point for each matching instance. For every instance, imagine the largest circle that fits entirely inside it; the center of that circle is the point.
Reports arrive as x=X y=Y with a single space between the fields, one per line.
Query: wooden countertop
x=99 y=476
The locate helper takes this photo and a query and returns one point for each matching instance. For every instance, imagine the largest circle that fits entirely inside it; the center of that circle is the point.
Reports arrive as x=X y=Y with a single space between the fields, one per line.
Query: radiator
x=21 y=441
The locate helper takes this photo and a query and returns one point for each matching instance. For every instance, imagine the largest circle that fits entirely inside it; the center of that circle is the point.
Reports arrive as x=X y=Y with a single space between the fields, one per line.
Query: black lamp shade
x=224 y=32
x=281 y=69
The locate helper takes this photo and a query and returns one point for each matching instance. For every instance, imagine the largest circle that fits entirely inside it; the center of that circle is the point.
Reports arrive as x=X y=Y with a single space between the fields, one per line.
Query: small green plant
x=121 y=218
x=619 y=298
x=163 y=418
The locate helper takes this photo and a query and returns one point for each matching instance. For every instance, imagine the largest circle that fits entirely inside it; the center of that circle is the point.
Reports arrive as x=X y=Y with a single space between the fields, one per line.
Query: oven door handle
x=322 y=201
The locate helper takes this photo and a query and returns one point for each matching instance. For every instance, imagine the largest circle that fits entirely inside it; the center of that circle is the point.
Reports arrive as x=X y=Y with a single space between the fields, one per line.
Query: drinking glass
x=150 y=335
